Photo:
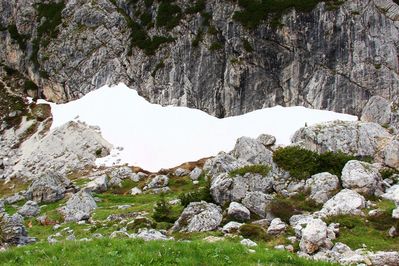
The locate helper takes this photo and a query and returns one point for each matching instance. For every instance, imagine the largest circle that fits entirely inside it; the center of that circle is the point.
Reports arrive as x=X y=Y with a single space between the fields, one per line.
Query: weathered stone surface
x=78 y=207
x=29 y=209
x=48 y=188
x=238 y=212
x=357 y=138
x=181 y=172
x=199 y=217
x=257 y=202
x=226 y=188
x=392 y=193
x=266 y=140
x=252 y=151
x=322 y=186
x=345 y=202
x=123 y=172
x=391 y=154
x=151 y=235
x=362 y=177
x=314 y=236
x=249 y=243
x=70 y=147
x=136 y=191
x=196 y=173
x=12 y=230
x=231 y=227
x=276 y=227
x=138 y=176
x=159 y=181
x=98 y=184
x=382 y=258
x=222 y=163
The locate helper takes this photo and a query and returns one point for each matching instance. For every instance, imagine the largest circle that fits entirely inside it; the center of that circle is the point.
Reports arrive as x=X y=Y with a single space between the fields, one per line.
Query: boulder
x=238 y=212
x=98 y=184
x=226 y=188
x=392 y=193
x=231 y=227
x=49 y=188
x=362 y=177
x=345 y=202
x=29 y=209
x=115 y=182
x=136 y=191
x=159 y=181
x=266 y=140
x=122 y=173
x=252 y=151
x=351 y=137
x=222 y=163
x=151 y=235
x=258 y=203
x=12 y=230
x=391 y=154
x=78 y=207
x=276 y=227
x=199 y=217
x=322 y=186
x=383 y=258
x=181 y=172
x=395 y=213
x=314 y=236
x=138 y=177
x=14 y=198
x=196 y=173
x=248 y=243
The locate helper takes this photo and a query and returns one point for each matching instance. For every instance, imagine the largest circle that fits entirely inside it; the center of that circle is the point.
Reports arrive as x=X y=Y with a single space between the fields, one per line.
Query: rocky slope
x=330 y=55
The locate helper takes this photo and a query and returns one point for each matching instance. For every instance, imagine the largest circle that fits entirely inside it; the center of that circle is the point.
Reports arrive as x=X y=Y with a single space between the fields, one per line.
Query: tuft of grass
x=138 y=252
x=254 y=232
x=253 y=169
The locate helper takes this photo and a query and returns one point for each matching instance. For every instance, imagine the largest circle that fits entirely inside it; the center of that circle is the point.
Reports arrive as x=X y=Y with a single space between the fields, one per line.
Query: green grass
x=371 y=231
x=137 y=252
x=253 y=169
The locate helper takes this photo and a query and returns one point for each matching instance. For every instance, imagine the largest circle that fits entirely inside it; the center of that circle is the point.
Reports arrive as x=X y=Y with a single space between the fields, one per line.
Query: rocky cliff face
x=334 y=56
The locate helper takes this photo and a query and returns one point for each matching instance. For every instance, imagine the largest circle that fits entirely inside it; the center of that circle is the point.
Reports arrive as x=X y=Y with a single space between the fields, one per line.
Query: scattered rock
x=181 y=172
x=12 y=230
x=78 y=207
x=266 y=140
x=199 y=217
x=322 y=186
x=151 y=234
x=115 y=182
x=314 y=236
x=248 y=243
x=30 y=209
x=138 y=177
x=231 y=227
x=276 y=227
x=136 y=191
x=383 y=258
x=49 y=188
x=122 y=173
x=159 y=181
x=222 y=163
x=362 y=177
x=258 y=203
x=14 y=198
x=238 y=212
x=345 y=202
x=252 y=151
x=391 y=154
x=98 y=184
x=196 y=173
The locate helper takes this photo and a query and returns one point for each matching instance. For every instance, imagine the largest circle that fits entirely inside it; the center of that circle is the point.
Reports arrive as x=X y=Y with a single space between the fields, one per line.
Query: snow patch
x=155 y=137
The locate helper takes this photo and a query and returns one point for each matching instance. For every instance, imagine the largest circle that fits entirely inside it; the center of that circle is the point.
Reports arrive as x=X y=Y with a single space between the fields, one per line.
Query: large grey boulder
x=196 y=173
x=258 y=203
x=362 y=177
x=29 y=209
x=222 y=163
x=160 y=181
x=238 y=212
x=276 y=227
x=98 y=184
x=384 y=258
x=314 y=236
x=252 y=151
x=392 y=193
x=12 y=230
x=49 y=188
x=199 y=217
x=357 y=138
x=322 y=186
x=391 y=154
x=78 y=207
x=123 y=172
x=345 y=202
x=266 y=140
x=226 y=188
x=70 y=147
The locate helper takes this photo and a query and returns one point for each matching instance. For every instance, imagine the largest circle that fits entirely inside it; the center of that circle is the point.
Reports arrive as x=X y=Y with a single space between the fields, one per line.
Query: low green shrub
x=302 y=163
x=163 y=211
x=253 y=169
x=169 y=15
x=254 y=232
x=202 y=194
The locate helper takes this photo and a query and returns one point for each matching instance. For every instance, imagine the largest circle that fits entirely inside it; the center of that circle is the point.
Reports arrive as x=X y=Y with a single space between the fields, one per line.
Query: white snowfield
x=155 y=137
